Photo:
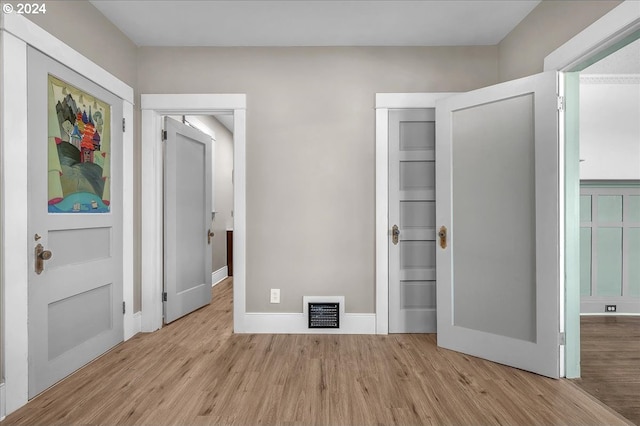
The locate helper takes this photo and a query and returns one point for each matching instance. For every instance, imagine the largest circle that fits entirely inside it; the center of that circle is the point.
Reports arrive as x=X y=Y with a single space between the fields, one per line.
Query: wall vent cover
x=324 y=315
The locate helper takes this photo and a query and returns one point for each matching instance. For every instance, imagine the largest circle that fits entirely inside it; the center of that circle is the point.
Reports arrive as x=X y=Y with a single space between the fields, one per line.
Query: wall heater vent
x=324 y=315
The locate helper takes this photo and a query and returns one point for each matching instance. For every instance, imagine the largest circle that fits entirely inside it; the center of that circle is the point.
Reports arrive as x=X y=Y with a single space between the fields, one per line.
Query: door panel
x=497 y=195
x=187 y=219
x=412 y=207
x=75 y=212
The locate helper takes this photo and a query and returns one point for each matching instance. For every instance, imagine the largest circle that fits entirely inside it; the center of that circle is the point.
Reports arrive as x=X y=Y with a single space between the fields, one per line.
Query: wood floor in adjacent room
x=195 y=371
x=610 y=362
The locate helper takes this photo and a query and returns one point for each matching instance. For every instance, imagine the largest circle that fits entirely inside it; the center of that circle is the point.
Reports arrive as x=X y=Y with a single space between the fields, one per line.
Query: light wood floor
x=195 y=371
x=610 y=362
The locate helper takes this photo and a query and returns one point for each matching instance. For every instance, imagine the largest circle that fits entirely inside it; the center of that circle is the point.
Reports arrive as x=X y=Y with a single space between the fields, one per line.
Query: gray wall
x=546 y=28
x=310 y=151
x=83 y=27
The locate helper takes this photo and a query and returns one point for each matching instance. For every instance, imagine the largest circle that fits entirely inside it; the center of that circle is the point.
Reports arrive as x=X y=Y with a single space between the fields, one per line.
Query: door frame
x=17 y=33
x=383 y=103
x=590 y=44
x=153 y=107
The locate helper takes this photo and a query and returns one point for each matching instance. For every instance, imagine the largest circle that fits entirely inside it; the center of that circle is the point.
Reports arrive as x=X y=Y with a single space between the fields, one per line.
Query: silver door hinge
x=560 y=103
x=124 y=308
x=124 y=125
x=562 y=339
x=163 y=135
x=164 y=297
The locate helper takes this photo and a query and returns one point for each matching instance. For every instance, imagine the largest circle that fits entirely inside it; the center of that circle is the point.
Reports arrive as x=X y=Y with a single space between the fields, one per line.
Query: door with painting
x=75 y=221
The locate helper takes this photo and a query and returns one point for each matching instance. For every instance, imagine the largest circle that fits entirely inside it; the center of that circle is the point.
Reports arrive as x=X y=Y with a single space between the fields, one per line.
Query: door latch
x=443 y=236
x=41 y=256
x=395 y=234
x=210 y=235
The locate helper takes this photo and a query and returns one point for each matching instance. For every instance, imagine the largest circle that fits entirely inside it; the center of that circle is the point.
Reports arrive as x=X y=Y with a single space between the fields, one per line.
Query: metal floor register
x=324 y=315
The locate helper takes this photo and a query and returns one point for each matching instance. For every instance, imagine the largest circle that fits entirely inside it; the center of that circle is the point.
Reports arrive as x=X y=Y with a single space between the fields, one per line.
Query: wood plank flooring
x=610 y=362
x=196 y=371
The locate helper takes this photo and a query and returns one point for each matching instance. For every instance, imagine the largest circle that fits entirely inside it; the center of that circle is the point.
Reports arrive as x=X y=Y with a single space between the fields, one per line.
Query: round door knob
x=45 y=255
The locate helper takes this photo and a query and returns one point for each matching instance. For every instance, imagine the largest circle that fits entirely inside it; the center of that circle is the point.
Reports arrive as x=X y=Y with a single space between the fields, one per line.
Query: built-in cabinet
x=610 y=247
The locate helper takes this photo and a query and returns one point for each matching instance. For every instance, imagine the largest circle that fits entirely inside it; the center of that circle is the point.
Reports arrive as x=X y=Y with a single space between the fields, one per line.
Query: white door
x=497 y=195
x=187 y=220
x=412 y=215
x=75 y=216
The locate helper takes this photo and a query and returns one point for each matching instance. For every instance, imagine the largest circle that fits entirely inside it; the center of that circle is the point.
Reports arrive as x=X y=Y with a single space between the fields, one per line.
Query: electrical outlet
x=275 y=295
x=610 y=308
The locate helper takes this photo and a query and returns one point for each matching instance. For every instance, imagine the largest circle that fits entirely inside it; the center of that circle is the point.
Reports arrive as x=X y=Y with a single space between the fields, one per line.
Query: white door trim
x=384 y=102
x=153 y=107
x=597 y=37
x=18 y=33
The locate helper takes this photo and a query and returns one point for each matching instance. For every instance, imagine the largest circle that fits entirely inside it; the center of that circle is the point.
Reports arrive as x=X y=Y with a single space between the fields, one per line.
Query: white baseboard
x=137 y=322
x=296 y=323
x=219 y=275
x=3 y=409
x=132 y=325
x=625 y=306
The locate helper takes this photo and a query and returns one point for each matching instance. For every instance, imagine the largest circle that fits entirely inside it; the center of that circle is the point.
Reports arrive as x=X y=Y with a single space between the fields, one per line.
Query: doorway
x=153 y=107
x=219 y=128
x=606 y=109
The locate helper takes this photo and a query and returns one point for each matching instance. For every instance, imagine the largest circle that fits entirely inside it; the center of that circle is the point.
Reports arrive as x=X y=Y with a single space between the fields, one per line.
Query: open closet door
x=498 y=223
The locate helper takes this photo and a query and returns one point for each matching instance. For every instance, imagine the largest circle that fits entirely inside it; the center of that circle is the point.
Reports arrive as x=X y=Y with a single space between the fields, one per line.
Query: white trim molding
x=219 y=275
x=3 y=411
x=596 y=39
x=137 y=322
x=624 y=306
x=385 y=102
x=296 y=323
x=38 y=38
x=17 y=34
x=153 y=107
x=609 y=78
x=409 y=100
x=613 y=27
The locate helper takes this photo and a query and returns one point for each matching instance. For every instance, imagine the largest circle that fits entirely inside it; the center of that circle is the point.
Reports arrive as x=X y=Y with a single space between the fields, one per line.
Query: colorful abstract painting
x=79 y=150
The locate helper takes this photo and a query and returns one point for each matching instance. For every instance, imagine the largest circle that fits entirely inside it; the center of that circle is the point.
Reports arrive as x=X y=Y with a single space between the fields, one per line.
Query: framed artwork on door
x=79 y=147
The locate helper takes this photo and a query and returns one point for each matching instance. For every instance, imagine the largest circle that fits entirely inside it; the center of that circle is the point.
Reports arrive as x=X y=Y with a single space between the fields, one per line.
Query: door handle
x=443 y=236
x=41 y=256
x=395 y=234
x=210 y=235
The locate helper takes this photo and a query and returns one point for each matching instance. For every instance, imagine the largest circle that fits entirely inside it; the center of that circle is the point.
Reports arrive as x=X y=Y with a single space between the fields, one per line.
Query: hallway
x=196 y=371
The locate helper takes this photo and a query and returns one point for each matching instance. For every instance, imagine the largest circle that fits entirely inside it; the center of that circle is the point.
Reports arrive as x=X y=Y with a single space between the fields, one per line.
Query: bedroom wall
x=310 y=151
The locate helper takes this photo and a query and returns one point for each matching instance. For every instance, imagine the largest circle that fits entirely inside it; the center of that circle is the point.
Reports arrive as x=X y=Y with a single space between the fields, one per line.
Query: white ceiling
x=315 y=22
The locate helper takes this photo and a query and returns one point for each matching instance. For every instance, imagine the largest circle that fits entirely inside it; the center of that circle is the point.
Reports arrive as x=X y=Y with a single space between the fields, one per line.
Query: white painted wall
x=609 y=127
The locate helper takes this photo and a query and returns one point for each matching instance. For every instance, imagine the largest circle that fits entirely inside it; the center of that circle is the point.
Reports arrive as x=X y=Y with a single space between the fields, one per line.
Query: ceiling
x=315 y=22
